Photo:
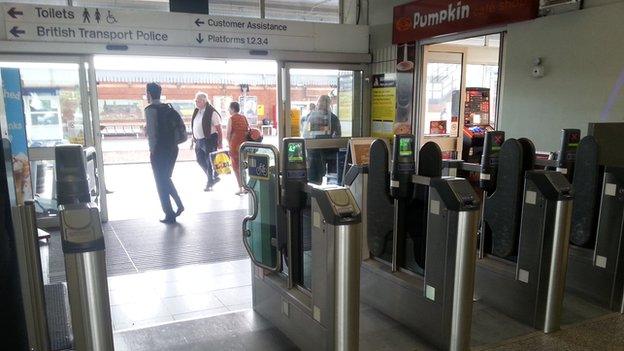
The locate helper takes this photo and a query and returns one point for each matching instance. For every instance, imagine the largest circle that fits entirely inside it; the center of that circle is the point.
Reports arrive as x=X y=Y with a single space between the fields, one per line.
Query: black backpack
x=171 y=124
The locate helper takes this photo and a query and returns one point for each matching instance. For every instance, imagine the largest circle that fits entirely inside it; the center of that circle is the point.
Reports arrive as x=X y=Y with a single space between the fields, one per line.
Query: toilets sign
x=133 y=27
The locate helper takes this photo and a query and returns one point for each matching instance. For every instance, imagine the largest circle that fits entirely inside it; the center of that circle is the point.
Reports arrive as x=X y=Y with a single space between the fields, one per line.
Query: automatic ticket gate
x=82 y=241
x=595 y=268
x=305 y=273
x=525 y=228
x=421 y=233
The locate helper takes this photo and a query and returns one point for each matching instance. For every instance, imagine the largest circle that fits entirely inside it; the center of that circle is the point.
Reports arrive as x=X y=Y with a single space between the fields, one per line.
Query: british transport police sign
x=42 y=23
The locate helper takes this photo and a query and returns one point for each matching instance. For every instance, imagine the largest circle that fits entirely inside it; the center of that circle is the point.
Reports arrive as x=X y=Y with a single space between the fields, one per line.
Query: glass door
x=323 y=103
x=56 y=110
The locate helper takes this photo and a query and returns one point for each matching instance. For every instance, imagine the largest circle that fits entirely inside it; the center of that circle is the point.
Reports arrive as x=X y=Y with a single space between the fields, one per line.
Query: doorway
x=460 y=93
x=121 y=101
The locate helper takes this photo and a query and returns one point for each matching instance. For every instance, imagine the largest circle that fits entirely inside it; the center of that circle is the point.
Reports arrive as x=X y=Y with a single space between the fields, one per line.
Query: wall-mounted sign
x=120 y=26
x=383 y=104
x=429 y=18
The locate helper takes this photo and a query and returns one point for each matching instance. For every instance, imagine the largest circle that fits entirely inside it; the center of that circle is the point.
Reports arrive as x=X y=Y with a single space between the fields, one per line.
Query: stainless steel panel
x=88 y=298
x=558 y=266
x=347 y=287
x=335 y=143
x=465 y=253
x=31 y=275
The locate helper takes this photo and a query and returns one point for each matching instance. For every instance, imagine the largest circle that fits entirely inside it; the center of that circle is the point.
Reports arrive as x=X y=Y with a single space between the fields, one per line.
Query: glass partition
x=303 y=10
x=52 y=103
x=324 y=106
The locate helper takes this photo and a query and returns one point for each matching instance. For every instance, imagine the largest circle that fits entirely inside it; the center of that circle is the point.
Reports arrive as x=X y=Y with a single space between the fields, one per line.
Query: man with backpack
x=165 y=130
x=207 y=136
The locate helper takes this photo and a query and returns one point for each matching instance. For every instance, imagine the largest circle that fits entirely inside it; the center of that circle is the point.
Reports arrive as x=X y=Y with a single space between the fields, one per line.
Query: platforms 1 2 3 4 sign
x=430 y=18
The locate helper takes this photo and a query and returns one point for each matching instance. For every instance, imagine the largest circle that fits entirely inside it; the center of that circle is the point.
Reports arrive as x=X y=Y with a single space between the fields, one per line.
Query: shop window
x=237 y=8
x=154 y=5
x=484 y=76
x=442 y=86
x=303 y=10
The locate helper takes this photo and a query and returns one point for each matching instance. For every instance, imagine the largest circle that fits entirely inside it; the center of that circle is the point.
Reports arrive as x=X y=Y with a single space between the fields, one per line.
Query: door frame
x=361 y=124
x=89 y=109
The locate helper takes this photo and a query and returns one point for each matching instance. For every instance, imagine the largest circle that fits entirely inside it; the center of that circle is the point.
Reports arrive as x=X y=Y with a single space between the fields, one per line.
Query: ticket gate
x=523 y=246
x=421 y=234
x=82 y=241
x=595 y=268
x=305 y=275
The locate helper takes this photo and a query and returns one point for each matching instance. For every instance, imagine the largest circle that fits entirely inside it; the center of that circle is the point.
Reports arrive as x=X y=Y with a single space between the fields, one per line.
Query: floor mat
x=59 y=326
x=139 y=245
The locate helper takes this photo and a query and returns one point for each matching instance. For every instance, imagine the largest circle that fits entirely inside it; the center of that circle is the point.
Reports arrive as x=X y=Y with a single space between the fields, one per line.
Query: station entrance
x=198 y=267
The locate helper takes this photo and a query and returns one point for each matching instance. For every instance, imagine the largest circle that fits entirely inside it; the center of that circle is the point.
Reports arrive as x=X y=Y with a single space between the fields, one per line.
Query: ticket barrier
x=83 y=247
x=524 y=234
x=421 y=234
x=304 y=244
x=595 y=268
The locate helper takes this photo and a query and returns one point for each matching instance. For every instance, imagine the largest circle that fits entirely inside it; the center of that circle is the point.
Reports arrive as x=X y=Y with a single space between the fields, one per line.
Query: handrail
x=247 y=232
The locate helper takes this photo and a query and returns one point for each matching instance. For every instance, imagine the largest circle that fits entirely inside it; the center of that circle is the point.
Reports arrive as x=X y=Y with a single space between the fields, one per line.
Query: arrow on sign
x=16 y=31
x=199 y=22
x=199 y=38
x=14 y=13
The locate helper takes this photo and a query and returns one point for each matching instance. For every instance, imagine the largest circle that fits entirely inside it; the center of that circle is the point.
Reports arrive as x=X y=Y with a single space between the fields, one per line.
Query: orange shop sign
x=422 y=19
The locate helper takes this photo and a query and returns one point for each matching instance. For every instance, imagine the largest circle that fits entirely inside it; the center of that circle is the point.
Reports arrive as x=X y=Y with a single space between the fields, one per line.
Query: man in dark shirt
x=163 y=152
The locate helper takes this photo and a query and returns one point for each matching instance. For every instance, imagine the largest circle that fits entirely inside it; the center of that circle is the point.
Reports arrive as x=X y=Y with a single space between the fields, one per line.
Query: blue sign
x=258 y=166
x=16 y=126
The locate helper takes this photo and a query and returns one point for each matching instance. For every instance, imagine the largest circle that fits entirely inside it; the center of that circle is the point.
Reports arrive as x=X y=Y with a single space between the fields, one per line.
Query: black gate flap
x=380 y=209
x=503 y=207
x=587 y=184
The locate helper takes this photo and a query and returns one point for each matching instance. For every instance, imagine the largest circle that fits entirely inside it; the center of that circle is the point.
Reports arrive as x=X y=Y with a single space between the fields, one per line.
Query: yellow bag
x=221 y=162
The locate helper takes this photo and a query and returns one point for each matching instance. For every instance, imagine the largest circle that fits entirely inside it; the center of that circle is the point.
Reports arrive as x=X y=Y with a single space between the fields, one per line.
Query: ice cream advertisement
x=14 y=112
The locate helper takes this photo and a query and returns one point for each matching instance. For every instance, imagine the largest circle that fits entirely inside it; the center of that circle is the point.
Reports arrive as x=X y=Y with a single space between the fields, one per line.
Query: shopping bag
x=221 y=162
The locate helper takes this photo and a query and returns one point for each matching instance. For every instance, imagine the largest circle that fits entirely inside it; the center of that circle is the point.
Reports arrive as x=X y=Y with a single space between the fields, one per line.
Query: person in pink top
x=236 y=134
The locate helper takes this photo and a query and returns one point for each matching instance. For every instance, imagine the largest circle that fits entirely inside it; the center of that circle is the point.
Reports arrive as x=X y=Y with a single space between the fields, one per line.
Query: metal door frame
x=90 y=118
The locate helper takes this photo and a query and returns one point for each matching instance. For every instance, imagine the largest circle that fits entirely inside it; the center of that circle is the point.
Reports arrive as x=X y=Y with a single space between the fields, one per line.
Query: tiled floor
x=190 y=292
x=134 y=191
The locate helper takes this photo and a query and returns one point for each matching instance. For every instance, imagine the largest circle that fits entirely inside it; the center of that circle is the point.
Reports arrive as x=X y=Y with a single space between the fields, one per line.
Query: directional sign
x=15 y=31
x=14 y=13
x=118 y=26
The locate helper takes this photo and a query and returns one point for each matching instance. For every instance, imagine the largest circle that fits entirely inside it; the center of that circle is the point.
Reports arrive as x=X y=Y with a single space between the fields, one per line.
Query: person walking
x=163 y=151
x=207 y=136
x=236 y=134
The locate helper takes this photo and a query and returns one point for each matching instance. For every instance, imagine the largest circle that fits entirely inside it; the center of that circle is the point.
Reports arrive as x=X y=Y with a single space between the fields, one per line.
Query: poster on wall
x=383 y=105
x=345 y=103
x=345 y=97
x=15 y=120
x=249 y=108
x=406 y=55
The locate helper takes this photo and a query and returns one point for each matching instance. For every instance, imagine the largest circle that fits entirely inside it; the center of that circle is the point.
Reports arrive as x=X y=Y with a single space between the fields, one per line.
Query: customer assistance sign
x=126 y=27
